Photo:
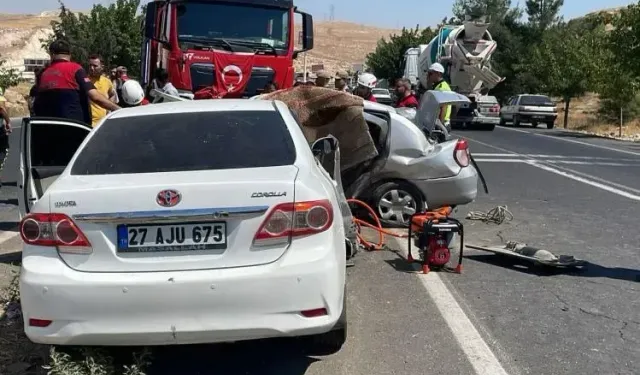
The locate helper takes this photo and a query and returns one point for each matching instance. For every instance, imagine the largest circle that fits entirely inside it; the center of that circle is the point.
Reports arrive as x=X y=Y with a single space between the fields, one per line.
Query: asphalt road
x=568 y=193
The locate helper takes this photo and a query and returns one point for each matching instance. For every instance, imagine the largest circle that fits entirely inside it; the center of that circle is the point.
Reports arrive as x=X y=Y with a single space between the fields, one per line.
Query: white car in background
x=180 y=223
x=383 y=96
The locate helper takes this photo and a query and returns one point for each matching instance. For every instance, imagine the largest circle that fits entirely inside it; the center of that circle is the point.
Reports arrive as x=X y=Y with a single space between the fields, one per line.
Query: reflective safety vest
x=444 y=86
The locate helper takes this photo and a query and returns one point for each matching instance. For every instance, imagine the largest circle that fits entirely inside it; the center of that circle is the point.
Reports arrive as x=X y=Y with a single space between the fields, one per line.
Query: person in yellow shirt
x=436 y=78
x=104 y=86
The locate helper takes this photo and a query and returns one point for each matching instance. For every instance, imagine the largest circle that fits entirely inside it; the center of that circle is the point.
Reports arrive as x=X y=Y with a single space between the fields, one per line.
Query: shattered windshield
x=262 y=26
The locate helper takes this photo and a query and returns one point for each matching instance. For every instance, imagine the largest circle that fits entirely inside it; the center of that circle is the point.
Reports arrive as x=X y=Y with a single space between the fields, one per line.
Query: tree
x=9 y=77
x=543 y=13
x=112 y=31
x=387 y=61
x=624 y=39
x=495 y=10
x=564 y=60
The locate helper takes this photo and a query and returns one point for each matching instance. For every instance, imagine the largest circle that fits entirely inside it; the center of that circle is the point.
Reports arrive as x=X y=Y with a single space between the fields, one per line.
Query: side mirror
x=150 y=21
x=307 y=31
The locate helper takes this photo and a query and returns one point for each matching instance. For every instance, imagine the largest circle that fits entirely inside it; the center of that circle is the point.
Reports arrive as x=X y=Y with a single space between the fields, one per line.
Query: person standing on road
x=64 y=90
x=103 y=85
x=406 y=99
x=366 y=83
x=322 y=78
x=435 y=77
x=33 y=92
x=5 y=130
x=340 y=81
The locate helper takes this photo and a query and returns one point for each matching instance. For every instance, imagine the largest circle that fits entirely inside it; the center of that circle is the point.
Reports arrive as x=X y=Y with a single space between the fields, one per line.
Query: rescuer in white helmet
x=133 y=94
x=435 y=78
x=366 y=82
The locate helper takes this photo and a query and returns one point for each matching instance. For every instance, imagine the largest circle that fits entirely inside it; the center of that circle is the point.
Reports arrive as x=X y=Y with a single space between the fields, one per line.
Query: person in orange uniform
x=104 y=86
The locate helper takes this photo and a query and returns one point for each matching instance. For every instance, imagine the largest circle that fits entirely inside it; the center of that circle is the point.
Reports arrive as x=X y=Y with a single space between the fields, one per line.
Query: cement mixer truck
x=465 y=52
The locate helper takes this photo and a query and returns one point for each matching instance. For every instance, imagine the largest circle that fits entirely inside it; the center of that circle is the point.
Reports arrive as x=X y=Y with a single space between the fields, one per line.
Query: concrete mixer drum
x=465 y=51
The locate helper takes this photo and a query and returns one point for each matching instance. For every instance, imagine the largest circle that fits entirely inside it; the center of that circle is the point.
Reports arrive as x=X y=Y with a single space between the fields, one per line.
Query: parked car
x=383 y=96
x=532 y=109
x=174 y=224
x=413 y=170
x=482 y=113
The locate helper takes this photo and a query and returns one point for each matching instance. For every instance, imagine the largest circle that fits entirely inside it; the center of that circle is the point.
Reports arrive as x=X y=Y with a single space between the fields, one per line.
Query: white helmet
x=436 y=67
x=367 y=80
x=132 y=92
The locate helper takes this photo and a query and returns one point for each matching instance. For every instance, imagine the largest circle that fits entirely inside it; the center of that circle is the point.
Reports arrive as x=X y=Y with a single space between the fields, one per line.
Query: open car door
x=46 y=147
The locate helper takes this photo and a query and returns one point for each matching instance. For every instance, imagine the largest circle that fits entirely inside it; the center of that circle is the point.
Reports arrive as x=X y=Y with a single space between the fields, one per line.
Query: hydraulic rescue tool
x=532 y=254
x=432 y=231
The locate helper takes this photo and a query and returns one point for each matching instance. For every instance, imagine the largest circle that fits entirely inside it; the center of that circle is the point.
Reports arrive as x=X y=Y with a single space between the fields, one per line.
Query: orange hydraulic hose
x=377 y=227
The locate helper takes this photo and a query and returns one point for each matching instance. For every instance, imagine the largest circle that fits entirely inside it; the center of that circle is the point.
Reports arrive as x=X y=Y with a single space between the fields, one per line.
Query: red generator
x=432 y=231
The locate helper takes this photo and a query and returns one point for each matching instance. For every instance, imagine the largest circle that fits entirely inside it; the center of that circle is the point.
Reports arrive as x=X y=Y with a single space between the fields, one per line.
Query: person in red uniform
x=406 y=98
x=366 y=83
x=64 y=89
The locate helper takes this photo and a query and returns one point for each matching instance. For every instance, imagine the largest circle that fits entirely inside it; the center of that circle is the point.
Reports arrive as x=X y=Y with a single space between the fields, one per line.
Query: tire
x=387 y=203
x=516 y=121
x=332 y=341
x=503 y=122
x=550 y=125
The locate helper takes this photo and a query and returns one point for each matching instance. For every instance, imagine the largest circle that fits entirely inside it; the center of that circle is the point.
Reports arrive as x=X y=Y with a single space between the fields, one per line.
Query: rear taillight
x=54 y=230
x=495 y=108
x=461 y=153
x=288 y=220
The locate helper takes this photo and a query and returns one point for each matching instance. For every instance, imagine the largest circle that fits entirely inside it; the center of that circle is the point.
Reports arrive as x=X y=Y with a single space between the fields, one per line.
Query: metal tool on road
x=433 y=231
x=533 y=254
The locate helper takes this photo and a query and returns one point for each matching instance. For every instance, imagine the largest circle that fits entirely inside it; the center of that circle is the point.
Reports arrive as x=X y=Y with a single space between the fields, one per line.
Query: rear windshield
x=187 y=142
x=536 y=100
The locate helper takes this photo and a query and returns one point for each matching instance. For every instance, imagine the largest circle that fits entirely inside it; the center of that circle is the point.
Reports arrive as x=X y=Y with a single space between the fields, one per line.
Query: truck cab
x=238 y=46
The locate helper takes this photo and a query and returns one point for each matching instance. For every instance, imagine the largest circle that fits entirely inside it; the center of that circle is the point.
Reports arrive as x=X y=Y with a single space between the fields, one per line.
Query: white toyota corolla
x=179 y=223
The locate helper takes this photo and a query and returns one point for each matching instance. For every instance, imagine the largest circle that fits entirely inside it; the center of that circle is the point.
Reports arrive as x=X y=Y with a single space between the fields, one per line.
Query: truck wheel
x=550 y=125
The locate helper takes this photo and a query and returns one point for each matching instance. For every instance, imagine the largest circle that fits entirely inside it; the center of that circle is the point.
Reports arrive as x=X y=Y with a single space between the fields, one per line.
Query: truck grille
x=203 y=75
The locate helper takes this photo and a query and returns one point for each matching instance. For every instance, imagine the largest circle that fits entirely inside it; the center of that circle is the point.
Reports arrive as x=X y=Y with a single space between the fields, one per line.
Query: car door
x=46 y=147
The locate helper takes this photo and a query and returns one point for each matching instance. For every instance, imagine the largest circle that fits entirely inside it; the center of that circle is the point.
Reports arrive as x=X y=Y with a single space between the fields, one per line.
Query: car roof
x=209 y=105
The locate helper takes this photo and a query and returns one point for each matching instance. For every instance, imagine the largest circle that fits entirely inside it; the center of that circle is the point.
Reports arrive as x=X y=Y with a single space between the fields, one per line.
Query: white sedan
x=179 y=223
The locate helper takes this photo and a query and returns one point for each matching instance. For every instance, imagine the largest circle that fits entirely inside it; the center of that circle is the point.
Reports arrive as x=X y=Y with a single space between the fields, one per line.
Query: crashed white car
x=179 y=223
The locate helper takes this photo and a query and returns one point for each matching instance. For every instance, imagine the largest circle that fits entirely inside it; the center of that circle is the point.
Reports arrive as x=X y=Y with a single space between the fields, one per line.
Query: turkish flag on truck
x=233 y=71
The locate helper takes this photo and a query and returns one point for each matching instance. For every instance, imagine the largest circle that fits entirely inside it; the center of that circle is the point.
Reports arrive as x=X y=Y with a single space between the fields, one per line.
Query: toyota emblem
x=168 y=198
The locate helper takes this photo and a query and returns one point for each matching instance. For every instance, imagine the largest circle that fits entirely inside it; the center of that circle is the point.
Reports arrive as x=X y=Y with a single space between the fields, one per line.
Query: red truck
x=223 y=48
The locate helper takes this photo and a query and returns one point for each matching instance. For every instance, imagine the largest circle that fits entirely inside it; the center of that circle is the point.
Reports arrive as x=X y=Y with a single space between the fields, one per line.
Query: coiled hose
x=377 y=227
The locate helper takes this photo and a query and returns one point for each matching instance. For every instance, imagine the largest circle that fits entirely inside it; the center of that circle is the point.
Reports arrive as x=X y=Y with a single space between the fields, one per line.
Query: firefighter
x=133 y=93
x=64 y=89
x=366 y=82
x=406 y=99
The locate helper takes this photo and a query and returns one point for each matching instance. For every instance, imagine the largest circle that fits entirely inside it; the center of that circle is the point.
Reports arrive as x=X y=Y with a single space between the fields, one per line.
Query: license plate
x=172 y=237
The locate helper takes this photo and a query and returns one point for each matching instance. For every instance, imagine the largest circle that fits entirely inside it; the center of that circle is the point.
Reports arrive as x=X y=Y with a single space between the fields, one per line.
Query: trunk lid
x=214 y=204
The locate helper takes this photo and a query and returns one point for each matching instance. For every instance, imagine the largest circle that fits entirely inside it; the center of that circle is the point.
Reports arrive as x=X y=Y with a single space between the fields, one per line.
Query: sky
x=370 y=12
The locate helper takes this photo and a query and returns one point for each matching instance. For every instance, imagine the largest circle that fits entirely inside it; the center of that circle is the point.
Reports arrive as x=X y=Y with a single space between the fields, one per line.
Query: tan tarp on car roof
x=322 y=111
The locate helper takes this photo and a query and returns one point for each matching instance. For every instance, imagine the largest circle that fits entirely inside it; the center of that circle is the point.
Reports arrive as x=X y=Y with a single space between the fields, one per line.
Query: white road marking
x=551 y=157
x=585 y=181
x=575 y=141
x=514 y=160
x=574 y=175
x=478 y=353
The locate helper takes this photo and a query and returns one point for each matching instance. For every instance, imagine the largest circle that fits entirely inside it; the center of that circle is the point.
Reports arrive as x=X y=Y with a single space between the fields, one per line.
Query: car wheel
x=395 y=202
x=550 y=125
x=502 y=122
x=516 y=121
x=332 y=341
